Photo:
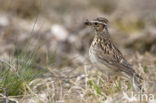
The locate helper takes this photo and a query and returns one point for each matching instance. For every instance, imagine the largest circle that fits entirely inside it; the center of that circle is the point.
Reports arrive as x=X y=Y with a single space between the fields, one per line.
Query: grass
x=24 y=71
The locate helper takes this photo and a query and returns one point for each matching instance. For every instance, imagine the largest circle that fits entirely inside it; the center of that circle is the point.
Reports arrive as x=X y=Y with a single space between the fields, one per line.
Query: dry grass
x=87 y=85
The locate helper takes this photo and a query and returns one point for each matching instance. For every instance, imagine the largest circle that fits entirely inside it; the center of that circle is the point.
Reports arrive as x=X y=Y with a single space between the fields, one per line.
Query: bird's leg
x=109 y=79
x=116 y=78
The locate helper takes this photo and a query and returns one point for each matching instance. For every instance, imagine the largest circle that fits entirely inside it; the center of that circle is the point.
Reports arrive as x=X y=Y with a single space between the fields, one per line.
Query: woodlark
x=105 y=55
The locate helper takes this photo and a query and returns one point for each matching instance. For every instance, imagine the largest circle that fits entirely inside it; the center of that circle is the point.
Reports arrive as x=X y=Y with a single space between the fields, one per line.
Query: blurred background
x=48 y=38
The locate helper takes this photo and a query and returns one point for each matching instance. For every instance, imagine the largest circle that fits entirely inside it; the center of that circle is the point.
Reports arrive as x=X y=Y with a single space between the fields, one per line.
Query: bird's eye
x=95 y=23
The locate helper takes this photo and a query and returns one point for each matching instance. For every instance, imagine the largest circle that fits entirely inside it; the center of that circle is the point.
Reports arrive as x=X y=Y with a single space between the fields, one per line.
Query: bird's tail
x=136 y=84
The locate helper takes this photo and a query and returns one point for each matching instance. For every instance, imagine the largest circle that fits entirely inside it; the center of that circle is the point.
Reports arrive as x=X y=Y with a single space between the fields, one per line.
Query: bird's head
x=99 y=24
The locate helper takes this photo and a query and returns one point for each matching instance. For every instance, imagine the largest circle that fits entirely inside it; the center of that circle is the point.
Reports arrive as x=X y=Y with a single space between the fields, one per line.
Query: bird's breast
x=92 y=55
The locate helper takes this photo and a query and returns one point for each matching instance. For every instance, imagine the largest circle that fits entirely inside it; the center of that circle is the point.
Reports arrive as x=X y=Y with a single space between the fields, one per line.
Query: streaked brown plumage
x=105 y=55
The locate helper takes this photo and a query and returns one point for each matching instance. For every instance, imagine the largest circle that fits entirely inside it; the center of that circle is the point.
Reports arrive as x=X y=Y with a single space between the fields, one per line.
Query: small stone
x=59 y=32
x=4 y=20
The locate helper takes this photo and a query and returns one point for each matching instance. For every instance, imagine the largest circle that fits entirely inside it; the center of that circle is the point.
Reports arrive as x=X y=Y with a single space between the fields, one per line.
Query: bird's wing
x=111 y=54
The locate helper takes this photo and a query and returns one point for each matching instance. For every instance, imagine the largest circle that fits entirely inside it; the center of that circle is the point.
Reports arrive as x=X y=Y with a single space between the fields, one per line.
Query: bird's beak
x=88 y=23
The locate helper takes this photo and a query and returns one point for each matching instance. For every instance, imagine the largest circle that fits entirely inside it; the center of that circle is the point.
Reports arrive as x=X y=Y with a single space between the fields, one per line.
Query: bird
x=106 y=56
